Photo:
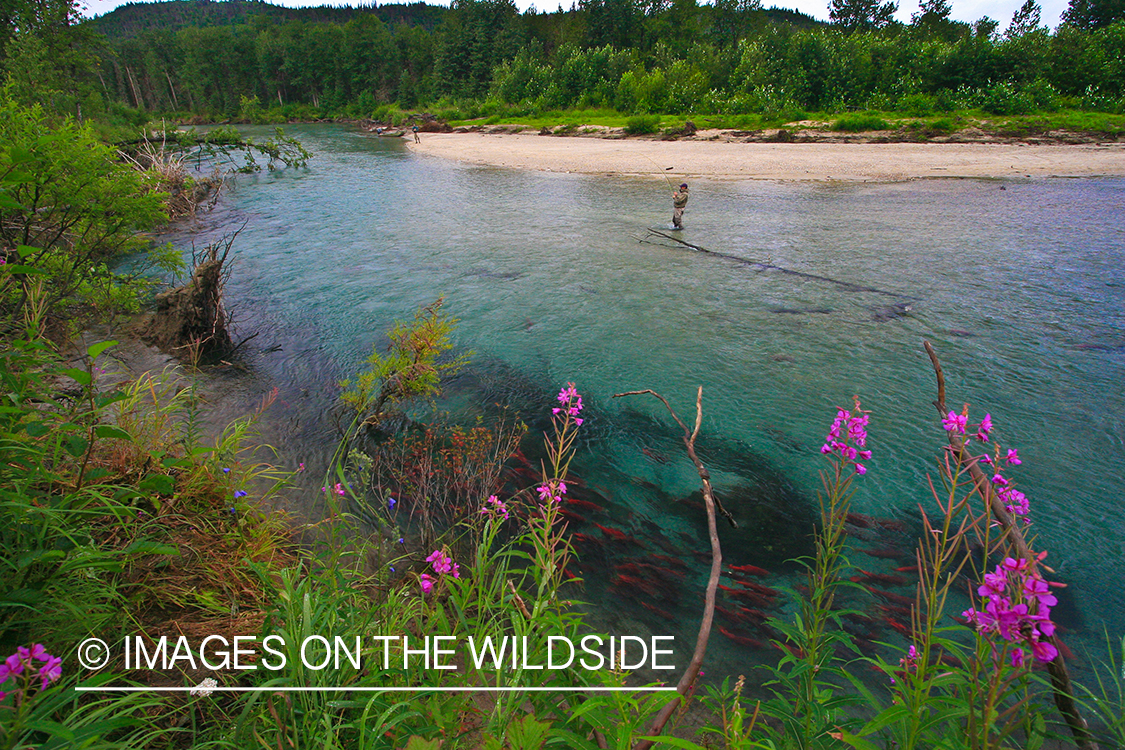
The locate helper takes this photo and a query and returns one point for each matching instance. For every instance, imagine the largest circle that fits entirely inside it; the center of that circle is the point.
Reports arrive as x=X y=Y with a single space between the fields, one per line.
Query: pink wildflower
x=956 y=422
x=1044 y=651
x=493 y=507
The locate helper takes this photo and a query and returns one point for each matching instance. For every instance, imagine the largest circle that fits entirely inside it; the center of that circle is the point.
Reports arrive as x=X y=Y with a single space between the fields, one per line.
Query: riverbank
x=726 y=158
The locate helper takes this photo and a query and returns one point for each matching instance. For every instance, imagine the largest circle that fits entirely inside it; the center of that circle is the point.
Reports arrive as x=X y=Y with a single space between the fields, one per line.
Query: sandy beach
x=701 y=157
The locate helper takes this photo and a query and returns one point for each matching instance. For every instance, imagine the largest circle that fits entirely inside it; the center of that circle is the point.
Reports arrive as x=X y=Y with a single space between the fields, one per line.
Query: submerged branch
x=768 y=266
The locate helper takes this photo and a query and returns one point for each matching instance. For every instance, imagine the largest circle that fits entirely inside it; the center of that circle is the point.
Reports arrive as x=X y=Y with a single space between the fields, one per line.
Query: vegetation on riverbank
x=726 y=61
x=121 y=521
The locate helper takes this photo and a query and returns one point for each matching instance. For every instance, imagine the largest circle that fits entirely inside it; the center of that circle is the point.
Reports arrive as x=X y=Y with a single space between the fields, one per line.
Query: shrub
x=1004 y=99
x=642 y=124
x=860 y=123
x=918 y=105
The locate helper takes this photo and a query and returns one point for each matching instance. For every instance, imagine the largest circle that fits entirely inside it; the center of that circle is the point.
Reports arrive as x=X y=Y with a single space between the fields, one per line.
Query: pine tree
x=1093 y=14
x=862 y=14
x=1025 y=21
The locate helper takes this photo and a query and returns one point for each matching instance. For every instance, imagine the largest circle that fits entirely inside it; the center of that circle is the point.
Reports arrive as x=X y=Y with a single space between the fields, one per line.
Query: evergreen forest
x=252 y=61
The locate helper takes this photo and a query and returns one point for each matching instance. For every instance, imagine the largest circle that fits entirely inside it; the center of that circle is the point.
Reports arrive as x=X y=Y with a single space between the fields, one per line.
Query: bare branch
x=691 y=674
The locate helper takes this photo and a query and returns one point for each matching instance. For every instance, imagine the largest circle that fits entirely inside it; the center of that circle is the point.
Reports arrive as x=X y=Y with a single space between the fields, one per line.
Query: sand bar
x=854 y=162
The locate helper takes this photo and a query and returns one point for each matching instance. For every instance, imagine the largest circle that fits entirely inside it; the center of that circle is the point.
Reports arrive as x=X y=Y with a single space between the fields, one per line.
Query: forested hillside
x=635 y=56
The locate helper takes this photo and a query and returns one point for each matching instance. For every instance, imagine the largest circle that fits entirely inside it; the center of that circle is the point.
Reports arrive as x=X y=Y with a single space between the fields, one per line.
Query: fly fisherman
x=679 y=203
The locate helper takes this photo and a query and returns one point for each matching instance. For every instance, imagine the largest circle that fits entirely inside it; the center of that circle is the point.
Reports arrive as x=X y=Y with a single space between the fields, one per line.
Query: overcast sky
x=963 y=10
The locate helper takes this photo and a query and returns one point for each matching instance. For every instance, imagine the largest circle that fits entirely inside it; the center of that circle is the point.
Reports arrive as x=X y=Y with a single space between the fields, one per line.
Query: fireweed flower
x=23 y=663
x=955 y=422
x=442 y=563
x=1013 y=457
x=494 y=508
x=909 y=663
x=1024 y=623
x=847 y=435
x=571 y=403
x=552 y=491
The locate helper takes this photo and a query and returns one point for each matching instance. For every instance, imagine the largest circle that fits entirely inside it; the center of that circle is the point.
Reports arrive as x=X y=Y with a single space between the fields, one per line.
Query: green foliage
x=70 y=208
x=642 y=124
x=410 y=369
x=673 y=58
x=860 y=122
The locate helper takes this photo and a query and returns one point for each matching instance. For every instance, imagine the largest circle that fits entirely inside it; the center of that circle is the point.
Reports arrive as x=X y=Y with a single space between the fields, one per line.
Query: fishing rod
x=662 y=171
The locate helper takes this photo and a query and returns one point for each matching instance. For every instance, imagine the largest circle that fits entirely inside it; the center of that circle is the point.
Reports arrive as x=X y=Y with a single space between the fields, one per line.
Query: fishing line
x=661 y=172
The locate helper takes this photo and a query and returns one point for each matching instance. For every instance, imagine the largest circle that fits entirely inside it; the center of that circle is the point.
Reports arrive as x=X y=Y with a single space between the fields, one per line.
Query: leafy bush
x=917 y=105
x=1005 y=99
x=860 y=123
x=68 y=206
x=642 y=124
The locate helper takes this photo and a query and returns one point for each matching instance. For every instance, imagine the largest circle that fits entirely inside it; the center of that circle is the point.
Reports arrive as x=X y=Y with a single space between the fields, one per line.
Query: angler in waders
x=679 y=203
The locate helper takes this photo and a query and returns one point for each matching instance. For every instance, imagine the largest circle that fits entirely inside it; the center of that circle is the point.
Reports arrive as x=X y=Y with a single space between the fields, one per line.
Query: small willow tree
x=409 y=369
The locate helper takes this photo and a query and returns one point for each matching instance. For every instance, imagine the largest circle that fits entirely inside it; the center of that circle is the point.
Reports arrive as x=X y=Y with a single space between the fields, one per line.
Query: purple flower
x=847 y=435
x=50 y=671
x=1044 y=651
x=391 y=502
x=1017 y=657
x=1038 y=590
x=427 y=583
x=38 y=651
x=240 y=493
x=995 y=584
x=1016 y=501
x=440 y=562
x=571 y=403
x=551 y=491
x=1013 y=457
x=955 y=422
x=300 y=467
x=998 y=480
x=493 y=507
x=1010 y=563
x=226 y=471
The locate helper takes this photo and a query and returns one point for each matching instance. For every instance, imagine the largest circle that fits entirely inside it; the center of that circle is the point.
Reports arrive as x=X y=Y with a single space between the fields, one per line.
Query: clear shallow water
x=1020 y=285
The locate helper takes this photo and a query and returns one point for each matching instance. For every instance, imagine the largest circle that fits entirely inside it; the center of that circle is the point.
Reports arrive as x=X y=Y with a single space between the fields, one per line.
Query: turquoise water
x=1019 y=284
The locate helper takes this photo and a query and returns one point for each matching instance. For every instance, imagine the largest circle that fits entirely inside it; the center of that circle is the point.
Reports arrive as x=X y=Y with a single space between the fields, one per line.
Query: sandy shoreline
x=851 y=162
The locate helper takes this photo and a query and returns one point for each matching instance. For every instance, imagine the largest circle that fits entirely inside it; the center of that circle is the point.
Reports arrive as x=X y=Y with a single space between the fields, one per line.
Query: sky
x=963 y=10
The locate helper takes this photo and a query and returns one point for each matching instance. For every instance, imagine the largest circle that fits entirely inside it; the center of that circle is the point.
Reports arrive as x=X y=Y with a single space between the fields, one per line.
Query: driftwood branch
x=691 y=674
x=768 y=266
x=1056 y=668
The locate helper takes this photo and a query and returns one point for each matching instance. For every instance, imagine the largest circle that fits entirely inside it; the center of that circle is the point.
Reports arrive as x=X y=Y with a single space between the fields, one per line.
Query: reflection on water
x=1020 y=285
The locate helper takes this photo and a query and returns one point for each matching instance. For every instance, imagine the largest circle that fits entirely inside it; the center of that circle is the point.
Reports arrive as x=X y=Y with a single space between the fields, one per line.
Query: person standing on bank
x=416 y=139
x=679 y=203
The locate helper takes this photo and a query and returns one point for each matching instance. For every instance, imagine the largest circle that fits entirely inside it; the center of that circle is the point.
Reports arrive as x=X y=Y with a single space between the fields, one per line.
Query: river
x=1018 y=283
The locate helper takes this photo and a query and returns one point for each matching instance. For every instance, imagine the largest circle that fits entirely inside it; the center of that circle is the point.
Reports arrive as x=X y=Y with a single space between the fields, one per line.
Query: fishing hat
x=683 y=184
